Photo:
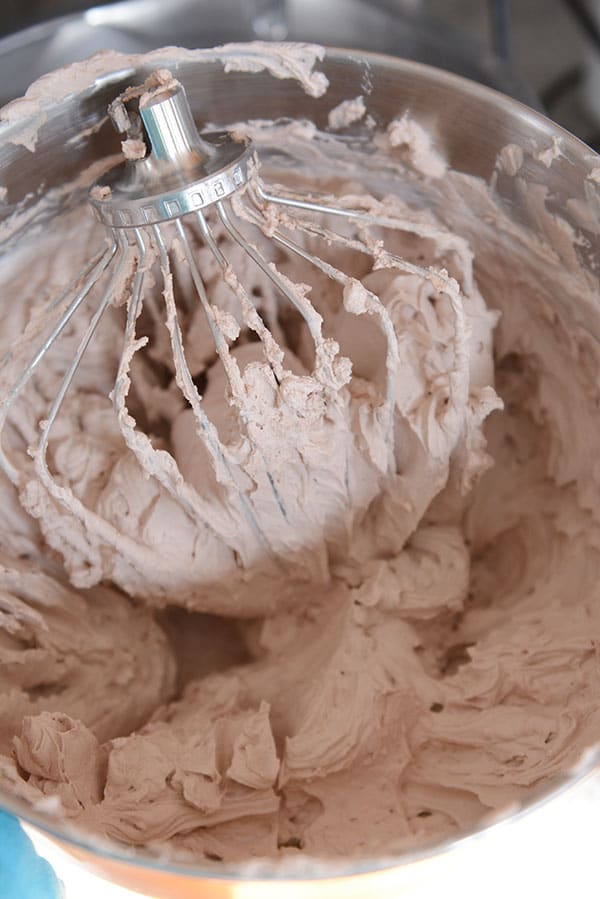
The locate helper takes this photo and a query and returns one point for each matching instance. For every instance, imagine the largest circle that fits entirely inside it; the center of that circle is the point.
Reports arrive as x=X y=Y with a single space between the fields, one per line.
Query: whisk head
x=256 y=487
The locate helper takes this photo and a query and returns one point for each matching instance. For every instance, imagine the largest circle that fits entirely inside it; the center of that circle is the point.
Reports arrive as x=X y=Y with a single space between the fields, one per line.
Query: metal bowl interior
x=136 y=26
x=470 y=125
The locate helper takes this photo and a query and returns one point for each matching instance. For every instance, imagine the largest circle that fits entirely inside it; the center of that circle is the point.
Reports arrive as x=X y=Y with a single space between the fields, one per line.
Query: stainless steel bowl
x=471 y=124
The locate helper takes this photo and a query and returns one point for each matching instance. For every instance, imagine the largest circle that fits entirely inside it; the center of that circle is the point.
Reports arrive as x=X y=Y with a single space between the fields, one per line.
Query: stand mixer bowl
x=470 y=125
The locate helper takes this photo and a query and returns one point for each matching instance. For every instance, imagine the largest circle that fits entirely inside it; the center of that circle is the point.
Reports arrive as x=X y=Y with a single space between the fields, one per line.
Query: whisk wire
x=207 y=430
x=5 y=407
x=250 y=314
x=438 y=278
x=324 y=350
x=41 y=451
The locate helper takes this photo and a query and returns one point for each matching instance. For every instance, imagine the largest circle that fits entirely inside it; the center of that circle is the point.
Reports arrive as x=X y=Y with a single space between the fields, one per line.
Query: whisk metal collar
x=179 y=171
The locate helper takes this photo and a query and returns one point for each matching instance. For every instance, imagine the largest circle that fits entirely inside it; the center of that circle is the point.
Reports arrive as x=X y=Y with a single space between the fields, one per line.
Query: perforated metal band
x=133 y=194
